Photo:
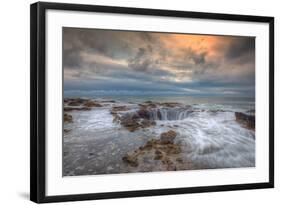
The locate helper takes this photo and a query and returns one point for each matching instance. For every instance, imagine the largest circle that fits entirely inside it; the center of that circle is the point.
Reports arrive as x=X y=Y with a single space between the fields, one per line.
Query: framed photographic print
x=129 y=102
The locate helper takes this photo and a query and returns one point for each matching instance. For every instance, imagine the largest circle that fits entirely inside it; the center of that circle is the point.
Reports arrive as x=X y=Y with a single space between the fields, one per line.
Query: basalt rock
x=119 y=109
x=132 y=124
x=167 y=152
x=147 y=123
x=143 y=113
x=132 y=159
x=246 y=120
x=109 y=101
x=168 y=137
x=69 y=109
x=92 y=104
x=67 y=118
x=75 y=101
x=171 y=104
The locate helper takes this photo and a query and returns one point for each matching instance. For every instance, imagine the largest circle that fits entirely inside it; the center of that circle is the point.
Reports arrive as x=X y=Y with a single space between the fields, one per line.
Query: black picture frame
x=38 y=101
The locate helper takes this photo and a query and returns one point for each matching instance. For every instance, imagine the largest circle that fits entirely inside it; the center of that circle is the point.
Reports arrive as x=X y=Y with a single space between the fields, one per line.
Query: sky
x=109 y=62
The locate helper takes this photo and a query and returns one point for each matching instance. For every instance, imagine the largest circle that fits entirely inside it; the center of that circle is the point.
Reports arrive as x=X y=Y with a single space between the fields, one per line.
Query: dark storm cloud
x=241 y=50
x=240 y=46
x=142 y=61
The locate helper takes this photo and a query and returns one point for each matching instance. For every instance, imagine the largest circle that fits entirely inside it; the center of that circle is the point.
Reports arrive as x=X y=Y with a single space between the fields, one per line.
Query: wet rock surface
x=168 y=137
x=74 y=101
x=80 y=104
x=163 y=150
x=133 y=124
x=67 y=118
x=246 y=120
x=69 y=109
x=116 y=109
x=92 y=104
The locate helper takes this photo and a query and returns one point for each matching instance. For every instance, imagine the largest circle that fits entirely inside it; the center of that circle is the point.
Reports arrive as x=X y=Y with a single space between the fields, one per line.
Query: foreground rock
x=168 y=137
x=163 y=149
x=247 y=120
x=133 y=124
x=67 y=118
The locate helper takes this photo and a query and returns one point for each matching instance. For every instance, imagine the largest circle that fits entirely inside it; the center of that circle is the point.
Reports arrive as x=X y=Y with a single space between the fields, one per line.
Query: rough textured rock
x=134 y=121
x=69 y=109
x=66 y=130
x=165 y=151
x=144 y=123
x=109 y=101
x=131 y=159
x=119 y=108
x=151 y=104
x=143 y=113
x=67 y=118
x=132 y=124
x=171 y=104
x=92 y=104
x=75 y=101
x=168 y=137
x=246 y=120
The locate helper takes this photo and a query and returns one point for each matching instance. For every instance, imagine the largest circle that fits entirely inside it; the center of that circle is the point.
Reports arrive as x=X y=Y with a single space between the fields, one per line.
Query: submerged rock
x=67 y=118
x=247 y=120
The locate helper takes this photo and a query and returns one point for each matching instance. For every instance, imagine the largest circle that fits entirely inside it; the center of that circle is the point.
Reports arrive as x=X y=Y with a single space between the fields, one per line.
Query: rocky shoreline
x=163 y=148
